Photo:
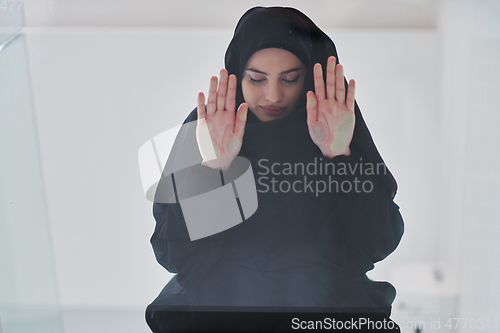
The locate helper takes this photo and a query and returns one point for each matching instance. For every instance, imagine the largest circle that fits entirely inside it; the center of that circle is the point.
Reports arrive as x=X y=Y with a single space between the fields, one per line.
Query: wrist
x=218 y=164
x=331 y=154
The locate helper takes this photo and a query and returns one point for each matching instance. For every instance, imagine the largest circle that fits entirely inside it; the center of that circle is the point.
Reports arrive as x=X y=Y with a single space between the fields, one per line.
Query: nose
x=274 y=93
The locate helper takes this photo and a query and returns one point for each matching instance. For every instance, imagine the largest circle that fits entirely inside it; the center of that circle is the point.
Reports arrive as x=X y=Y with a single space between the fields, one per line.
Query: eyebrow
x=284 y=72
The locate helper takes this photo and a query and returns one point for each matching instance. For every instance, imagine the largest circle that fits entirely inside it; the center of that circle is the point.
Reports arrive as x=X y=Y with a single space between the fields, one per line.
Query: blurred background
x=83 y=84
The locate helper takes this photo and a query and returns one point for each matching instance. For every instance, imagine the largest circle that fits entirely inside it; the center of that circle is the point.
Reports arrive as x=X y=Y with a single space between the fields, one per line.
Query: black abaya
x=300 y=249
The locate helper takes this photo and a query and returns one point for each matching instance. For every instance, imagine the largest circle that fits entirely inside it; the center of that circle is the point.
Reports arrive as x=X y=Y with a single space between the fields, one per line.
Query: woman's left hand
x=330 y=116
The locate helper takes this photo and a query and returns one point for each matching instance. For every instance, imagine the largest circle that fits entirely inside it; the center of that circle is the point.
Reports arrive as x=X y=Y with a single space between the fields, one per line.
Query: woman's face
x=272 y=83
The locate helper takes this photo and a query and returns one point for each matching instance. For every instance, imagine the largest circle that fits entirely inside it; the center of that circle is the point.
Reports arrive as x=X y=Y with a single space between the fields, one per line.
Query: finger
x=231 y=93
x=350 y=95
x=319 y=84
x=330 y=78
x=201 y=106
x=241 y=119
x=221 y=94
x=312 y=108
x=339 y=84
x=212 y=96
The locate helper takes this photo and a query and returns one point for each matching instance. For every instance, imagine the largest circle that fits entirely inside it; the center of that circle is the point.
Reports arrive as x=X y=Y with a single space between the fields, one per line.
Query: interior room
x=84 y=84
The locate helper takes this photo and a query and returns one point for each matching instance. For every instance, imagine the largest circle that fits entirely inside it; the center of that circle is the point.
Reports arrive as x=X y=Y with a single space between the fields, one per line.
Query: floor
x=73 y=321
x=104 y=321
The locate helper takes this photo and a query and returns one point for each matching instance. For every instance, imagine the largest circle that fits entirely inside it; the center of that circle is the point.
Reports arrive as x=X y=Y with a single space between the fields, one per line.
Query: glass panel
x=28 y=290
x=11 y=18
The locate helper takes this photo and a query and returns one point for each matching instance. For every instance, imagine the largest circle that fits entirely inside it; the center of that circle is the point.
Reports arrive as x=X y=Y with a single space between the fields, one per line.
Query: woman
x=325 y=206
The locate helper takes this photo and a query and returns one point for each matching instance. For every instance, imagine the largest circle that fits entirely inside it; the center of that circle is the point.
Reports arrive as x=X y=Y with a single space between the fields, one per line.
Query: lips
x=273 y=110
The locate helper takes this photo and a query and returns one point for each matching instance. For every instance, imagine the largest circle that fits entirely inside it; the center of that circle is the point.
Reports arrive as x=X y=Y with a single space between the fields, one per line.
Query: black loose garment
x=320 y=224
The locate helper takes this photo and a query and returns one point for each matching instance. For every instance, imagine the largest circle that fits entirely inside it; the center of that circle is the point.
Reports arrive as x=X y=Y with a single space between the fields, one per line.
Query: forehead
x=273 y=60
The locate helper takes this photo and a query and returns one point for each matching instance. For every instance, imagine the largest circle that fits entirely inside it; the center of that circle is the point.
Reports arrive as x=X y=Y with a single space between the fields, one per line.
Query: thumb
x=240 y=120
x=312 y=108
x=316 y=131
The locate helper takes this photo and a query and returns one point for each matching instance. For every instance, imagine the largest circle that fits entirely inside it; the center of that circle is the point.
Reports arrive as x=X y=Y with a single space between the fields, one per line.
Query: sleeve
x=171 y=242
x=374 y=231
x=372 y=225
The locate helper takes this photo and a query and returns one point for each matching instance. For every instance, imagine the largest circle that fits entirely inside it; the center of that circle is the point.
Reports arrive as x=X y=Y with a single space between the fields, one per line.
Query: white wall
x=471 y=146
x=100 y=94
x=393 y=14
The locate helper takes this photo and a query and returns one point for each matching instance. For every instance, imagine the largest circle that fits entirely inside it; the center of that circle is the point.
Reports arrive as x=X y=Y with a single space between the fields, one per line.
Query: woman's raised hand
x=219 y=131
x=330 y=115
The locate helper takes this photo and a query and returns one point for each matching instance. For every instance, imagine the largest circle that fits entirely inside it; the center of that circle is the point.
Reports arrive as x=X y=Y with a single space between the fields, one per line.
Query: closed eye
x=254 y=80
x=285 y=81
x=291 y=81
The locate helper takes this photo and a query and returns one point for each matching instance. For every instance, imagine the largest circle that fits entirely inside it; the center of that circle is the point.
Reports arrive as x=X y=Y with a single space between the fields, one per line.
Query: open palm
x=219 y=131
x=330 y=115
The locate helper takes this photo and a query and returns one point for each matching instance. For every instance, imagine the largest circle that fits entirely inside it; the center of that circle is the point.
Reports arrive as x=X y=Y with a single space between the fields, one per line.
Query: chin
x=266 y=117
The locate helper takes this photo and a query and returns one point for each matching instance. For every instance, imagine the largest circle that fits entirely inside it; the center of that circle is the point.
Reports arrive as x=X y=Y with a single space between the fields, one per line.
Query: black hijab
x=291 y=30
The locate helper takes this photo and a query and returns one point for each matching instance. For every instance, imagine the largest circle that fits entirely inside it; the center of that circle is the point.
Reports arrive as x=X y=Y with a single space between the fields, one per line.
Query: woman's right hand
x=219 y=131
